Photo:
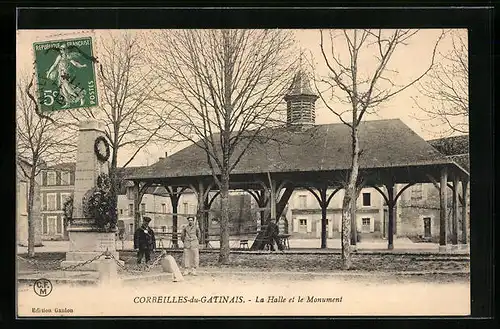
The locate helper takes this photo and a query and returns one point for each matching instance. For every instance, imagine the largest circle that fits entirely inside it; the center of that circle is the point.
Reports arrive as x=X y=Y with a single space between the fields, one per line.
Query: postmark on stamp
x=65 y=73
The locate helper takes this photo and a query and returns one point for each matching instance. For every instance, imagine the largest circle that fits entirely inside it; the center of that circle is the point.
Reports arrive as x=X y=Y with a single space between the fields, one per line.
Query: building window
x=303 y=225
x=59 y=225
x=365 y=225
x=44 y=225
x=143 y=209
x=51 y=201
x=416 y=192
x=367 y=200
x=51 y=178
x=121 y=211
x=164 y=229
x=163 y=208
x=186 y=207
x=131 y=228
x=302 y=201
x=65 y=178
x=64 y=197
x=131 y=209
x=427 y=227
x=52 y=224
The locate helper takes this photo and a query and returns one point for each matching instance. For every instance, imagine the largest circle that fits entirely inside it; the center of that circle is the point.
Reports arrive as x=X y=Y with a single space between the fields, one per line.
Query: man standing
x=144 y=241
x=272 y=235
x=190 y=237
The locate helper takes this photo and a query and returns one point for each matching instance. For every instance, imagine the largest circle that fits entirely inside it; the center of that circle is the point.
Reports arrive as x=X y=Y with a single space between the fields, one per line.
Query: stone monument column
x=87 y=242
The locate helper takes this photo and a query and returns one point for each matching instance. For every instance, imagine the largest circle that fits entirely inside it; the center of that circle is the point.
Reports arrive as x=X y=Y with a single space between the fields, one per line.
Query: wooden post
x=174 y=199
x=324 y=206
x=464 y=212
x=272 y=198
x=454 y=225
x=390 y=206
x=137 y=202
x=206 y=220
x=443 y=210
x=263 y=203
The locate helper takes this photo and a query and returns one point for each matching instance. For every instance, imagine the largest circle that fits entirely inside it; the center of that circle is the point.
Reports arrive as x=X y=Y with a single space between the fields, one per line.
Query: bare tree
x=360 y=79
x=445 y=101
x=126 y=89
x=42 y=139
x=225 y=87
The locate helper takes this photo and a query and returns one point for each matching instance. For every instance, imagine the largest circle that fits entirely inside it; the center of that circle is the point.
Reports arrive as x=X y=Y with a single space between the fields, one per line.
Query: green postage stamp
x=66 y=74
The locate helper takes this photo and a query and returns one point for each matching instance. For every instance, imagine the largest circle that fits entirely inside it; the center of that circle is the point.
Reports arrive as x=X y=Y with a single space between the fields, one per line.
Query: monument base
x=86 y=244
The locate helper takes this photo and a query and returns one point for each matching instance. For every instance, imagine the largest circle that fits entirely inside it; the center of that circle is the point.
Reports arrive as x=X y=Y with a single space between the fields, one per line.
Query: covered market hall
x=304 y=155
x=317 y=158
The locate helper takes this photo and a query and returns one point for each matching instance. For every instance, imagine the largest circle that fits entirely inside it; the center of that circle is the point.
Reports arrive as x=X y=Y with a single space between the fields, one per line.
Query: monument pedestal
x=85 y=244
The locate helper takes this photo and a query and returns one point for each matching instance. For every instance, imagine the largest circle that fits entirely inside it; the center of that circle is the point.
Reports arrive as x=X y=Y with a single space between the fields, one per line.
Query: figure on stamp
x=60 y=73
x=190 y=237
x=144 y=241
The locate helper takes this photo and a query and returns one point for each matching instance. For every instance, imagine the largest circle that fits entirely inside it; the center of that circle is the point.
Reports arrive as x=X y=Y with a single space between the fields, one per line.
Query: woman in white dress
x=59 y=71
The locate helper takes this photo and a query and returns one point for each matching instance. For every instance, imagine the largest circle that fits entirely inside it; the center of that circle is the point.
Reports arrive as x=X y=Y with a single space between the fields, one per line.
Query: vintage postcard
x=249 y=172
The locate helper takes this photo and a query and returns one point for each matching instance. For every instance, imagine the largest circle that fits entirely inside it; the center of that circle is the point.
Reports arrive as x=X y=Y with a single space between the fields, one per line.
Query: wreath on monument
x=100 y=205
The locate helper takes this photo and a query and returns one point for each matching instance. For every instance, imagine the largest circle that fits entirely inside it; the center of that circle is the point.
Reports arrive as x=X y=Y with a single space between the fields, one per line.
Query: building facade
x=304 y=214
x=57 y=185
x=419 y=205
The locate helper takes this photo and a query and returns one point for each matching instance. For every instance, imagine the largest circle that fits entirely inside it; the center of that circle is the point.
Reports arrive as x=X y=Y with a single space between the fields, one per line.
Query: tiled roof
x=300 y=85
x=462 y=160
x=452 y=145
x=384 y=143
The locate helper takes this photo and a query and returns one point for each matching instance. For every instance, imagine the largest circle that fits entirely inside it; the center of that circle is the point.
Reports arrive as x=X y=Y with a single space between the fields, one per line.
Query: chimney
x=166 y=155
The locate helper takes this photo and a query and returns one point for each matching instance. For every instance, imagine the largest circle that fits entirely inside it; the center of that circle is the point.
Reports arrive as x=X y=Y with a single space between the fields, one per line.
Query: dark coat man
x=272 y=233
x=144 y=241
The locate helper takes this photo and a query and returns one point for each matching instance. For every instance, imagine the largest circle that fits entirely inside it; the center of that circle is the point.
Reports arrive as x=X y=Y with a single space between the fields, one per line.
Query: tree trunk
x=200 y=213
x=31 y=217
x=354 y=226
x=224 y=221
x=347 y=204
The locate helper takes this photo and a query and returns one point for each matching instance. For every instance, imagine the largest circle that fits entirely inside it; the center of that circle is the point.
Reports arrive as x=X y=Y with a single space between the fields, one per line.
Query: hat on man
x=146 y=219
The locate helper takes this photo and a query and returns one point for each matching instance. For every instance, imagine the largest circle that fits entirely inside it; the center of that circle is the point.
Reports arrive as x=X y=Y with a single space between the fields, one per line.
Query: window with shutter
x=51 y=178
x=51 y=201
x=309 y=226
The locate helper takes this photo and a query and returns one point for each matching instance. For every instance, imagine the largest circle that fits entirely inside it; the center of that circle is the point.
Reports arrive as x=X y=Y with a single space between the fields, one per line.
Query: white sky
x=410 y=61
